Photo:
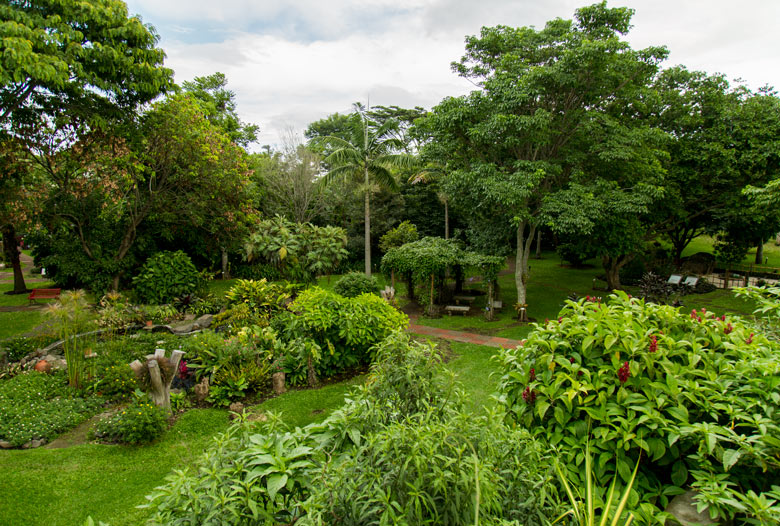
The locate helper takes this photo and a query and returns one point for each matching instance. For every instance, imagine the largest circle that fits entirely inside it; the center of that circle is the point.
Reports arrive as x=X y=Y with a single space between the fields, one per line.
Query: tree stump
x=160 y=392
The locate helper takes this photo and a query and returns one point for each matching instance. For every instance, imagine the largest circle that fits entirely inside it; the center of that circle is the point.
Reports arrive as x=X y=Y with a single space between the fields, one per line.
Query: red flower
x=624 y=373
x=728 y=328
x=749 y=340
x=571 y=360
x=532 y=376
x=529 y=396
x=653 y=343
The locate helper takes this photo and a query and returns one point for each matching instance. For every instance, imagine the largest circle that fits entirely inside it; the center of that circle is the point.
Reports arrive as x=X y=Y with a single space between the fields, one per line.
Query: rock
x=5 y=444
x=278 y=380
x=189 y=317
x=37 y=443
x=182 y=327
x=236 y=408
x=683 y=508
x=204 y=322
x=202 y=390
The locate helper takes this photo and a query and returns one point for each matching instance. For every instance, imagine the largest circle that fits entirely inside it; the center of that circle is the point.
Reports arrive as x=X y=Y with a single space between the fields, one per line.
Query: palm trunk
x=368 y=229
x=539 y=244
x=225 y=271
x=446 y=220
x=12 y=252
x=521 y=263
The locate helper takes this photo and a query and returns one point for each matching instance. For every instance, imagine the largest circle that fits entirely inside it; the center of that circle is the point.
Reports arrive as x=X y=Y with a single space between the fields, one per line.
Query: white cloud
x=292 y=62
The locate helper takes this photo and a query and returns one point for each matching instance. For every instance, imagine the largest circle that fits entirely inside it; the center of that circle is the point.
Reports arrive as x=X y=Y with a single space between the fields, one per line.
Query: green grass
x=706 y=244
x=107 y=482
x=474 y=368
x=20 y=300
x=17 y=323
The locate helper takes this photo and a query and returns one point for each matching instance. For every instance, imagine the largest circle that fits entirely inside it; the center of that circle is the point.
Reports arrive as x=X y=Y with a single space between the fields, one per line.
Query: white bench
x=463 y=309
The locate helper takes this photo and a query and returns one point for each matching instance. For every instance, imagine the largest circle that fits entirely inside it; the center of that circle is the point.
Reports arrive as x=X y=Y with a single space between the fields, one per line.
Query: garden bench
x=463 y=309
x=675 y=279
x=464 y=299
x=691 y=281
x=498 y=304
x=43 y=294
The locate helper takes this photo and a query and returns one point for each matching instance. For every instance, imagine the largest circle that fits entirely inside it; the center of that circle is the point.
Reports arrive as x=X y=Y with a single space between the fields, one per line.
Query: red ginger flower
x=653 y=343
x=532 y=376
x=624 y=373
x=529 y=396
x=749 y=340
x=728 y=328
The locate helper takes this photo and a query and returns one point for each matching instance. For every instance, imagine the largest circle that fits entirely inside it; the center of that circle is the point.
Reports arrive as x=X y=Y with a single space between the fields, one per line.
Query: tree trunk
x=760 y=252
x=459 y=276
x=12 y=253
x=539 y=244
x=612 y=266
x=446 y=220
x=225 y=271
x=490 y=311
x=521 y=263
x=410 y=287
x=368 y=227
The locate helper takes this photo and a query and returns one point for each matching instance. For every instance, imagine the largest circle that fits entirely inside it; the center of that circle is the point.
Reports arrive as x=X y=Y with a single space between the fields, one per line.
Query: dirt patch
x=78 y=435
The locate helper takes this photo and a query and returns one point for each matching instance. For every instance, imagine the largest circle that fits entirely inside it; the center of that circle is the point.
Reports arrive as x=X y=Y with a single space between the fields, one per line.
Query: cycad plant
x=369 y=156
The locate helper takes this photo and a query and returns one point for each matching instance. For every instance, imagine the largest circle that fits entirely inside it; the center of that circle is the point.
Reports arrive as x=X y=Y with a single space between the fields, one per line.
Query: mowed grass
x=707 y=243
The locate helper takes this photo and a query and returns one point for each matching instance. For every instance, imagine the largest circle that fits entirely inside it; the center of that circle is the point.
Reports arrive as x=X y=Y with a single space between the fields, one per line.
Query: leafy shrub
x=114 y=310
x=115 y=381
x=257 y=271
x=260 y=296
x=695 y=394
x=404 y=233
x=139 y=423
x=166 y=276
x=427 y=463
x=34 y=405
x=343 y=329
x=124 y=349
x=18 y=348
x=355 y=284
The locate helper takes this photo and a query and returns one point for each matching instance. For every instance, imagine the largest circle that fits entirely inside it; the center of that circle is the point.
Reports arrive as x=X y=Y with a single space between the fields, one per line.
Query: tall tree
x=219 y=105
x=66 y=52
x=175 y=167
x=369 y=155
x=521 y=136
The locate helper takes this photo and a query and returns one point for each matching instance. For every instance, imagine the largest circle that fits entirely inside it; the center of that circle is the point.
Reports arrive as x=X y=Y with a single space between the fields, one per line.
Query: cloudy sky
x=293 y=62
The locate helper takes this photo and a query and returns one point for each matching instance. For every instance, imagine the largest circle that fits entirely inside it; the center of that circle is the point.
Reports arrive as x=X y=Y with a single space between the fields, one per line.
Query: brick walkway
x=465 y=337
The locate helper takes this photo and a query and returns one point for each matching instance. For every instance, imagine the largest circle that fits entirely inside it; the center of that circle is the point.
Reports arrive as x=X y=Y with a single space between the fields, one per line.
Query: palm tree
x=434 y=173
x=368 y=156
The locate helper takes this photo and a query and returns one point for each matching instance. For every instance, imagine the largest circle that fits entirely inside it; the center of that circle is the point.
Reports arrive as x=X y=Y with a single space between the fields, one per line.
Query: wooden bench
x=463 y=309
x=464 y=299
x=43 y=294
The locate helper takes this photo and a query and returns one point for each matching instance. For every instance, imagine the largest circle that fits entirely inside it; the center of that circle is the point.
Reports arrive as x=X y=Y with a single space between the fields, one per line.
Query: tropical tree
x=368 y=156
x=521 y=136
x=91 y=57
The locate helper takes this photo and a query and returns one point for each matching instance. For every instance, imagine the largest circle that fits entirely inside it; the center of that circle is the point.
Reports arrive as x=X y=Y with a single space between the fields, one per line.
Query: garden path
x=465 y=337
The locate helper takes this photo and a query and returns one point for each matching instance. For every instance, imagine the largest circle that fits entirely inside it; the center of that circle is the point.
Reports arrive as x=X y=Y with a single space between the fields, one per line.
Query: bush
x=427 y=463
x=115 y=382
x=694 y=394
x=139 y=423
x=166 y=276
x=34 y=406
x=355 y=284
x=343 y=329
x=404 y=233
x=260 y=296
x=17 y=348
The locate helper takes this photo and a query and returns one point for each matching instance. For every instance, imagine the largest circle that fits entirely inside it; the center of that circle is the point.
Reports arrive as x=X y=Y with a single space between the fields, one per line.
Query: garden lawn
x=17 y=323
x=707 y=244
x=55 y=487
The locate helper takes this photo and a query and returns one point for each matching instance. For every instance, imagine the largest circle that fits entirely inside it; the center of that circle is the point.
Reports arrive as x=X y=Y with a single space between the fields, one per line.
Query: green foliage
x=404 y=233
x=695 y=395
x=343 y=329
x=34 y=405
x=139 y=423
x=115 y=382
x=70 y=317
x=356 y=283
x=115 y=311
x=435 y=464
x=300 y=250
x=260 y=296
x=166 y=276
x=576 y=253
x=17 y=348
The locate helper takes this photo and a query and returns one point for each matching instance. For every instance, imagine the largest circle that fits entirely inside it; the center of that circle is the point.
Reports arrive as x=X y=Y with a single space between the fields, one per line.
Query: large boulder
x=683 y=509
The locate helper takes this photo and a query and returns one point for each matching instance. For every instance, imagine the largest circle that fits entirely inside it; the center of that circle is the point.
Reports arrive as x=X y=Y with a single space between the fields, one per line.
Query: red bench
x=43 y=294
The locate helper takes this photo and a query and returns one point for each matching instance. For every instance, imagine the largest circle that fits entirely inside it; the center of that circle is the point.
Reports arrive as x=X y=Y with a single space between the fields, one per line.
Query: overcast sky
x=293 y=62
